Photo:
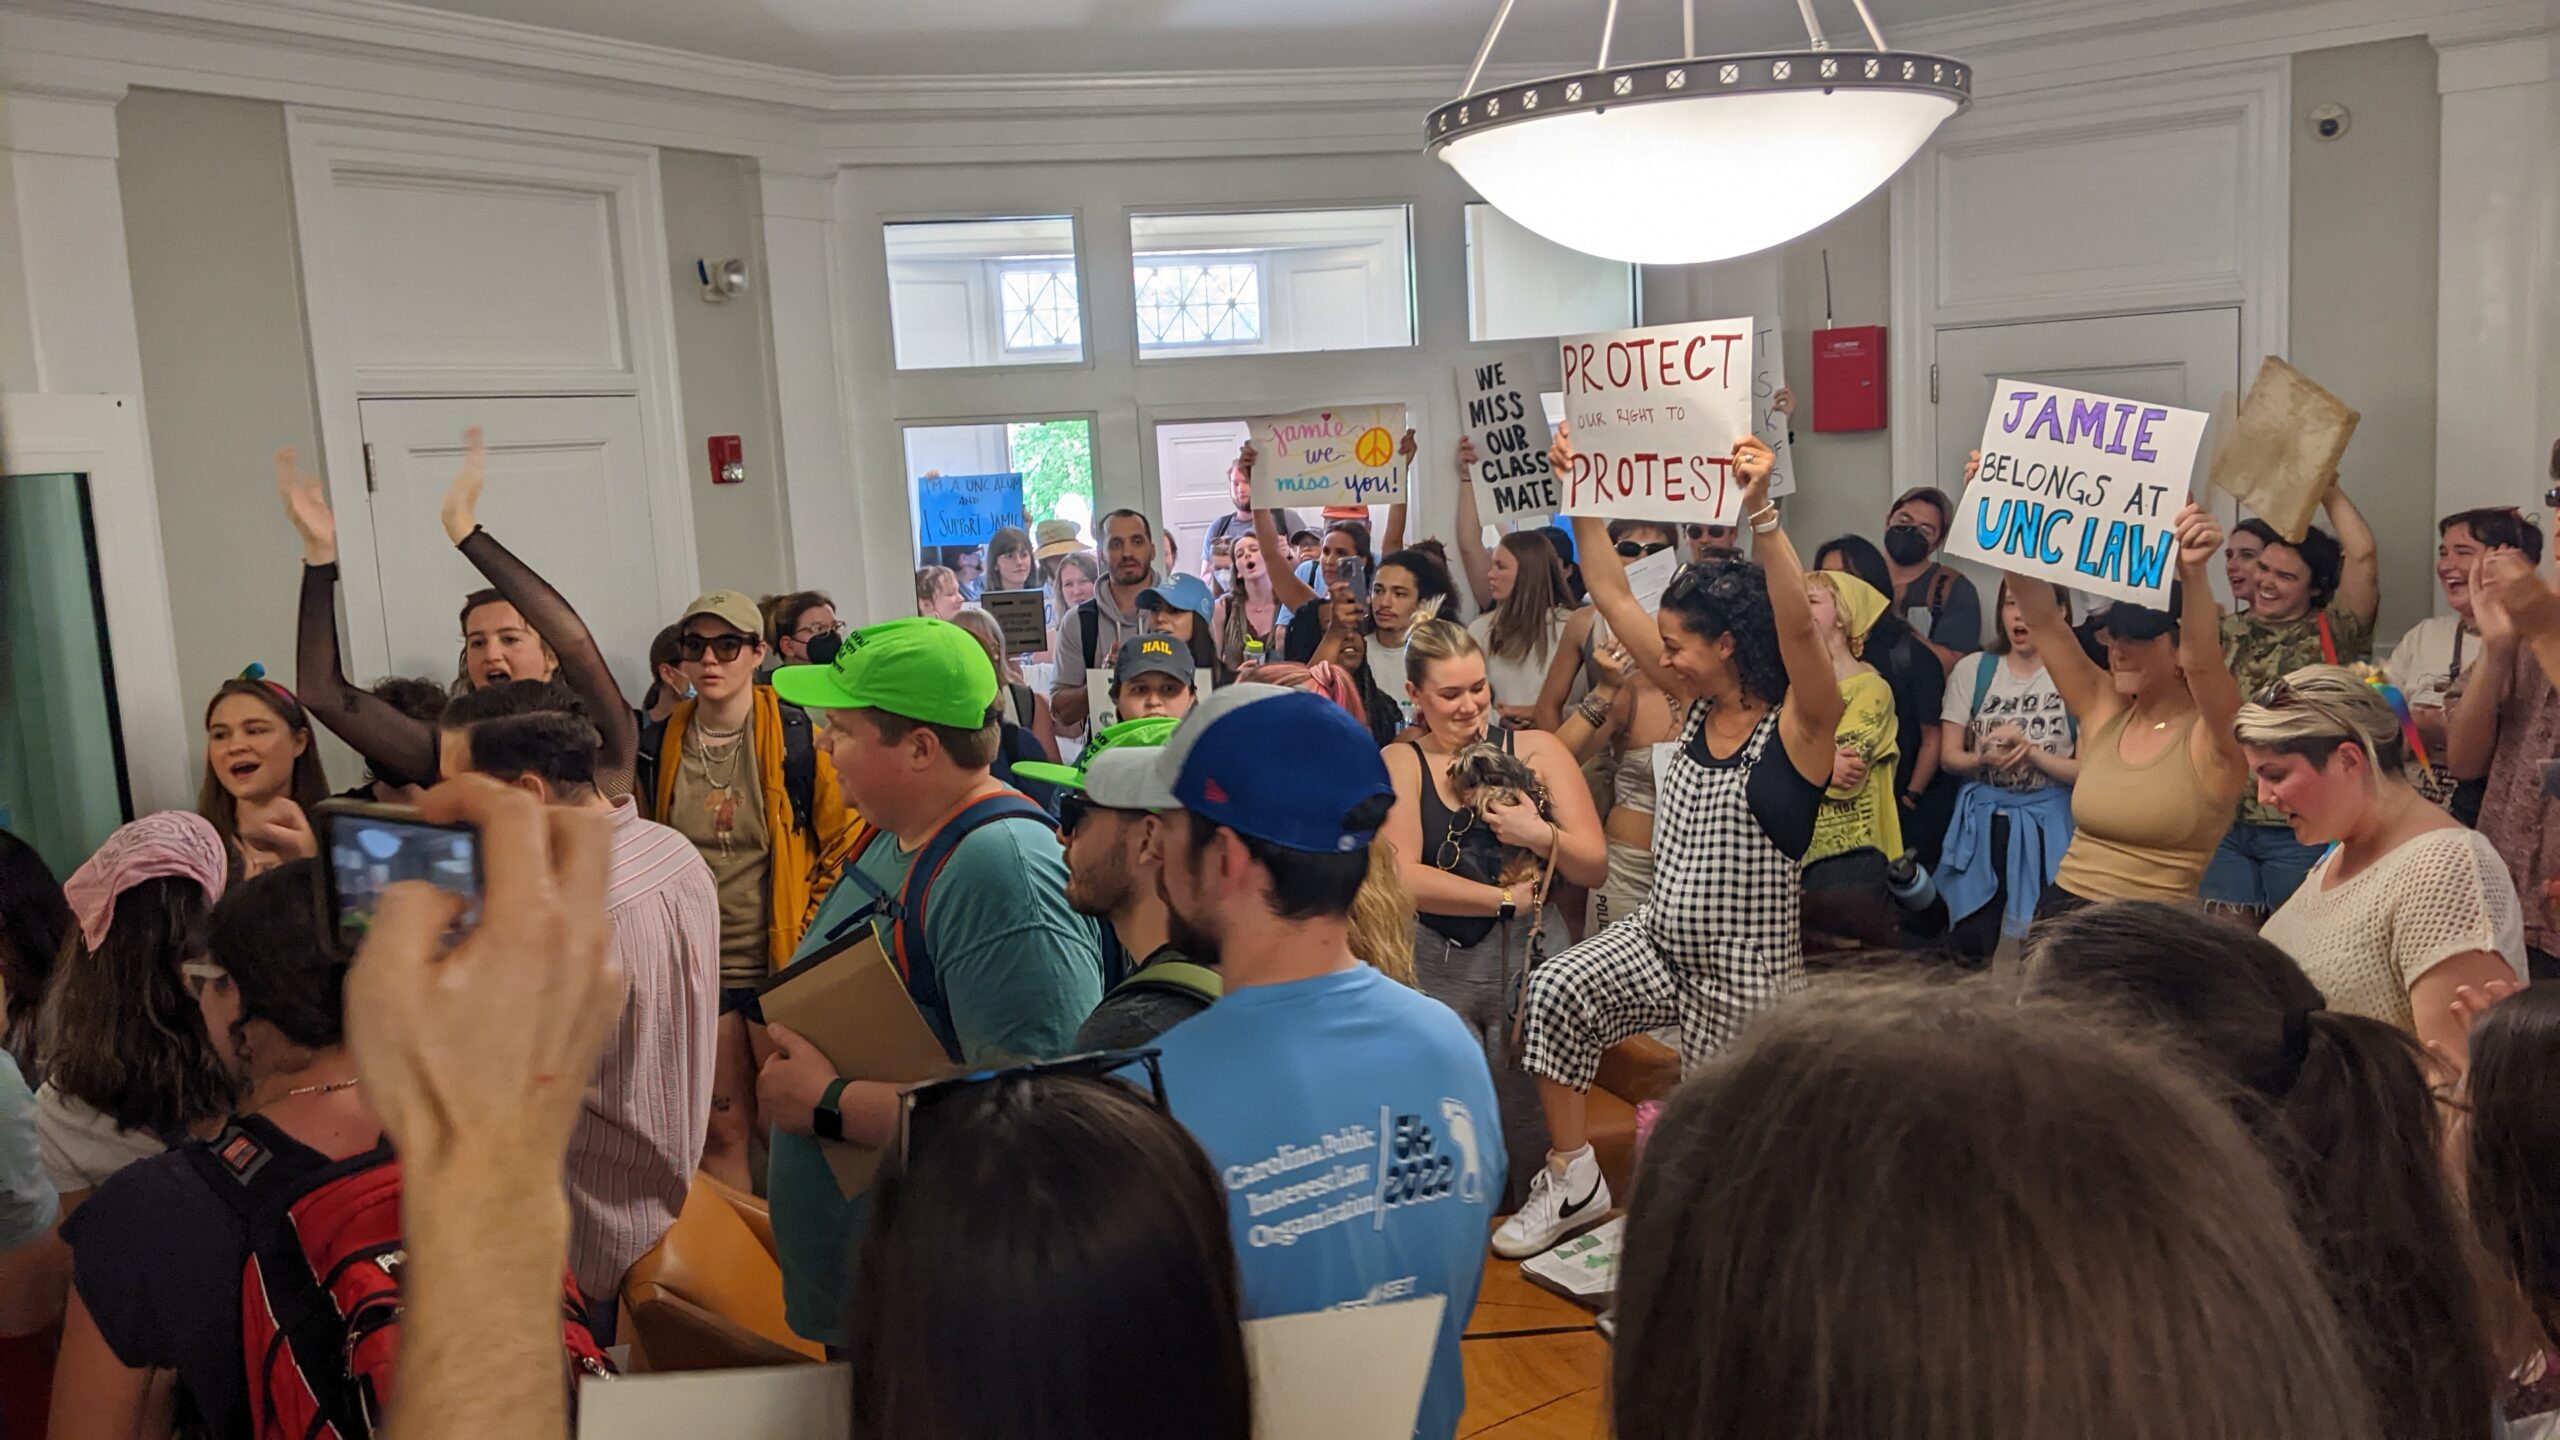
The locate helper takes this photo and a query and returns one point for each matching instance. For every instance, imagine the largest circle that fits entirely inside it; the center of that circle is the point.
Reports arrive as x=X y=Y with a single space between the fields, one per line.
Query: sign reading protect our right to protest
x=1655 y=413
x=2081 y=490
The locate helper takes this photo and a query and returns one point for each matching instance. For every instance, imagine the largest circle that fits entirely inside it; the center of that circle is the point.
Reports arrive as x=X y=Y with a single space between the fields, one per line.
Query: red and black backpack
x=320 y=1287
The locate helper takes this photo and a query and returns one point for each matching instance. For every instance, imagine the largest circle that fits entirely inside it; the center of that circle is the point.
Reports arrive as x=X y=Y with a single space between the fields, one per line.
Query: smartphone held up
x=371 y=848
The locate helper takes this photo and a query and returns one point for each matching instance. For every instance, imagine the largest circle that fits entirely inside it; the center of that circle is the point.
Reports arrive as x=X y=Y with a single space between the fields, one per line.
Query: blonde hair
x=982 y=625
x=2319 y=708
x=1382 y=919
x=1432 y=640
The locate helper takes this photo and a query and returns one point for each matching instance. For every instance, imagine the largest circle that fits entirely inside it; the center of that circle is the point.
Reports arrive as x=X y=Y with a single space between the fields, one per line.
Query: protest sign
x=2281 y=456
x=966 y=509
x=1650 y=576
x=1022 y=616
x=1655 y=413
x=1356 y=1373
x=775 y=1402
x=2080 y=489
x=1509 y=428
x=1768 y=377
x=1339 y=455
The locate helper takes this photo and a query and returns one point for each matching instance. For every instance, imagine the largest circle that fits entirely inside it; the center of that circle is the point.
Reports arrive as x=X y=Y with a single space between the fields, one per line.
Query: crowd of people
x=2108 y=1021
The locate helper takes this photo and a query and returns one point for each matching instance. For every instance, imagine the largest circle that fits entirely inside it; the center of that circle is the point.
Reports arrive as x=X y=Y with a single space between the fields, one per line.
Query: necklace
x=346 y=1084
x=719 y=778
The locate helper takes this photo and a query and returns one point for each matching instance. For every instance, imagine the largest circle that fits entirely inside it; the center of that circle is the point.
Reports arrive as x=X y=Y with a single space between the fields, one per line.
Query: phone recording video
x=373 y=847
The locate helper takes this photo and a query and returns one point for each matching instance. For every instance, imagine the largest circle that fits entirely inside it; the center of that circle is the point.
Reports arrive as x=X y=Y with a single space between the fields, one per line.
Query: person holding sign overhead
x=2159 y=767
x=1719 y=938
x=2312 y=603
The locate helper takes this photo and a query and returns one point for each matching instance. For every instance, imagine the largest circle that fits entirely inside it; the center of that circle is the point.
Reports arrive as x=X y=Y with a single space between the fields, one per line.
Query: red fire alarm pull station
x=728 y=460
x=1849 y=378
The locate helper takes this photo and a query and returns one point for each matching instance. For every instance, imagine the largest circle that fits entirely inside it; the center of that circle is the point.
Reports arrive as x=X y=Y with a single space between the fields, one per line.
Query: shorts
x=738 y=997
x=2258 y=867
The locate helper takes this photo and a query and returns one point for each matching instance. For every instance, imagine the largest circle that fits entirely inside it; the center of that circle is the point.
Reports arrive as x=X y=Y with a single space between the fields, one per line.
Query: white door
x=1192 y=460
x=567 y=493
x=2187 y=358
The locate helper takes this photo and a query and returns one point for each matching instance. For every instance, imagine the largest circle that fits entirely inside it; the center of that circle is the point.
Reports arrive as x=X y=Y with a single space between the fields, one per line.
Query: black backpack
x=799 y=767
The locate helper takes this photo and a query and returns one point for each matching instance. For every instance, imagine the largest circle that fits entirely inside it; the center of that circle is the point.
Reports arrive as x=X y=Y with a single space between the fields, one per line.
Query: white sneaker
x=1563 y=1202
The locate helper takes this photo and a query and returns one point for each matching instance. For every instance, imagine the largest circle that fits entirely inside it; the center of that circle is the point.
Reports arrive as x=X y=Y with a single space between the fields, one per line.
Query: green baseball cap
x=1141 y=734
x=919 y=667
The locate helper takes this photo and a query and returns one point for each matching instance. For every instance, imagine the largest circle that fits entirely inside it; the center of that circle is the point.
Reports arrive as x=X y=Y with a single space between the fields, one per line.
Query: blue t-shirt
x=1020 y=972
x=1353 y=1124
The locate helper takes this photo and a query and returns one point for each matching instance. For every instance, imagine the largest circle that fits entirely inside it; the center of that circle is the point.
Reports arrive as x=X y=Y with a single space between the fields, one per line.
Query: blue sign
x=966 y=509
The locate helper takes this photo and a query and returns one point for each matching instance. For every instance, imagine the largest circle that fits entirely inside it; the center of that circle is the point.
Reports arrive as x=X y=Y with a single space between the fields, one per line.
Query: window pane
x=62 y=776
x=1522 y=285
x=1053 y=457
x=984 y=292
x=1274 y=281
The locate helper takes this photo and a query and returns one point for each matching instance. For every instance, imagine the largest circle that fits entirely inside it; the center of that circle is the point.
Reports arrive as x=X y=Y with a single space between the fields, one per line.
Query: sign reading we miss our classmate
x=1655 y=413
x=2081 y=490
x=1338 y=455
x=1509 y=427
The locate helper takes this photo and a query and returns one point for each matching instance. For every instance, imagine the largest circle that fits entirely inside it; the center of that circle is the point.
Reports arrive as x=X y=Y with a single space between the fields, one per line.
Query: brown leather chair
x=709 y=1295
x=1631 y=1073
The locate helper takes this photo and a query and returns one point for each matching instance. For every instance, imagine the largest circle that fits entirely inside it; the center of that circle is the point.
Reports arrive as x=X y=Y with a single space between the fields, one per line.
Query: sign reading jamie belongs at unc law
x=1655 y=414
x=2081 y=490
x=1339 y=455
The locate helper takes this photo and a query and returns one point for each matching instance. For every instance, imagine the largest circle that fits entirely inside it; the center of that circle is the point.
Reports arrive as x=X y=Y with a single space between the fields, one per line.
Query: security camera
x=2330 y=121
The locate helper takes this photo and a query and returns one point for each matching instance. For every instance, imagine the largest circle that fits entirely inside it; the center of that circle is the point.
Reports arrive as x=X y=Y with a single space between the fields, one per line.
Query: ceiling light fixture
x=1682 y=161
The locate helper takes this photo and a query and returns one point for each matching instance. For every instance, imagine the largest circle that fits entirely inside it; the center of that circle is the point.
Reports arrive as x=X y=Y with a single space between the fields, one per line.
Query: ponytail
x=1382 y=919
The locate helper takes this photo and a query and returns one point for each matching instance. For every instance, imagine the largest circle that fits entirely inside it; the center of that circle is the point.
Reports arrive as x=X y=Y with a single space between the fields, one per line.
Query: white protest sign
x=1351 y=1374
x=1650 y=576
x=1508 y=424
x=1768 y=377
x=1338 y=455
x=783 y=1402
x=1654 y=414
x=2080 y=489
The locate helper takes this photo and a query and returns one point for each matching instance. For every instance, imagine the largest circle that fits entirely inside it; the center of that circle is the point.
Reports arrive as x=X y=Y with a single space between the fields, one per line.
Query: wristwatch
x=827 y=1121
x=1508 y=909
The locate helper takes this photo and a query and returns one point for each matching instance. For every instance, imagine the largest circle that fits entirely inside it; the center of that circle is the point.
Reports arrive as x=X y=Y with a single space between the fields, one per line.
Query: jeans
x=2258 y=866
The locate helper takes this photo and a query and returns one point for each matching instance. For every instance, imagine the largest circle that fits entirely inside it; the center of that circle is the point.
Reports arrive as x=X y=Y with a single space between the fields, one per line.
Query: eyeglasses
x=812 y=632
x=917 y=1101
x=1459 y=824
x=727 y=647
x=199 y=976
x=1637 y=549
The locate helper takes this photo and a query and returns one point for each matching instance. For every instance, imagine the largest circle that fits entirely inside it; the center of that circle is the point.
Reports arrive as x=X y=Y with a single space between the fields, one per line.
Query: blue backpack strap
x=1982 y=663
x=912 y=951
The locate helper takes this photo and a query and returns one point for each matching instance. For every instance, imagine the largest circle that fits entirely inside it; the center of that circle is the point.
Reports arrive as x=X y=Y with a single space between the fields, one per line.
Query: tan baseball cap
x=728 y=605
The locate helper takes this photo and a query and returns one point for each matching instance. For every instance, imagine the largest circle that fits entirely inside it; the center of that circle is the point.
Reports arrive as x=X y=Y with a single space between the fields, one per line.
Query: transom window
x=1040 y=309
x=1190 y=300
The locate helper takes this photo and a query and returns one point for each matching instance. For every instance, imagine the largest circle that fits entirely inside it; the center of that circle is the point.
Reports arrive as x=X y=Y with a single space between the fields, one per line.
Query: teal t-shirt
x=1020 y=972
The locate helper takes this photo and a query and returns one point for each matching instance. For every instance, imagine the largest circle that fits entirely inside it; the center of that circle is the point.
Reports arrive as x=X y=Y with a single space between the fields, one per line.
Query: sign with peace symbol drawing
x=1337 y=455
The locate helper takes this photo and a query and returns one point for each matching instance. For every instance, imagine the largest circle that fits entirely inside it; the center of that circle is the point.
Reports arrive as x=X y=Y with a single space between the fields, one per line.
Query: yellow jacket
x=802 y=868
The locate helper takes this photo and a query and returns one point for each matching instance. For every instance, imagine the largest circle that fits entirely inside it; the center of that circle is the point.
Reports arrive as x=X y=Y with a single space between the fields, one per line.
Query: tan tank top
x=2144 y=831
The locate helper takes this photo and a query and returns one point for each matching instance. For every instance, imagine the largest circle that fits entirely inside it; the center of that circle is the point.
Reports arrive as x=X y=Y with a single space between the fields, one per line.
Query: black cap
x=2128 y=621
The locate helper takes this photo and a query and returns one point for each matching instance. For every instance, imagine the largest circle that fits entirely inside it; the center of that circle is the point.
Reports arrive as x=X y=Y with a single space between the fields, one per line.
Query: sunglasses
x=1637 y=549
x=1710 y=532
x=727 y=647
x=916 y=1103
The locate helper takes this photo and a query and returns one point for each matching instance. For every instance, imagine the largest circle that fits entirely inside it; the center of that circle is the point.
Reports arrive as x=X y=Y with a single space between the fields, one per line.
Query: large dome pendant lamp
x=1683 y=161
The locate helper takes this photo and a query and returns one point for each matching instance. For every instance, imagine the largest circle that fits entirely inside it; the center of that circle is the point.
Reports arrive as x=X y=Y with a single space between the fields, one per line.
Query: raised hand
x=1784 y=402
x=2199 y=537
x=306 y=504
x=1560 y=449
x=1244 y=463
x=1406 y=447
x=1972 y=466
x=2468 y=1005
x=462 y=500
x=2523 y=596
x=481 y=1052
x=1753 y=461
x=279 y=828
x=1466 y=456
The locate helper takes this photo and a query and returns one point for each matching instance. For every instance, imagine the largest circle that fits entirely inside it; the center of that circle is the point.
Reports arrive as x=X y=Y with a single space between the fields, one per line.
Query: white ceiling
x=1049 y=37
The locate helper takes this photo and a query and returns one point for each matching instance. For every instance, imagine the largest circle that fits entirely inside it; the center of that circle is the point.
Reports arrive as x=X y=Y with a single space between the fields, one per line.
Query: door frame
x=324 y=144
x=101 y=437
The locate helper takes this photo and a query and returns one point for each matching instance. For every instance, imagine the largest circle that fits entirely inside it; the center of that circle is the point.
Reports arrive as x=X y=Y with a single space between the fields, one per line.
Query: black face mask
x=1907 y=544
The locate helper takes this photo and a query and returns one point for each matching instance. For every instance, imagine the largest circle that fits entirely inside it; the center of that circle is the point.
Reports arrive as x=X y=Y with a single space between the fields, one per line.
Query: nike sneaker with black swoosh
x=1567 y=1197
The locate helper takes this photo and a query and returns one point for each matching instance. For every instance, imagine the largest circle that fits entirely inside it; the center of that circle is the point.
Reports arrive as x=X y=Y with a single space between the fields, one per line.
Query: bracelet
x=1757 y=528
x=1768 y=509
x=1592 y=709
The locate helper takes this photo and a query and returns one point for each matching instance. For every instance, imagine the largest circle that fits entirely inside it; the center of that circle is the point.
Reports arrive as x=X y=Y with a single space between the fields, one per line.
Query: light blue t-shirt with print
x=1353 y=1126
x=1020 y=972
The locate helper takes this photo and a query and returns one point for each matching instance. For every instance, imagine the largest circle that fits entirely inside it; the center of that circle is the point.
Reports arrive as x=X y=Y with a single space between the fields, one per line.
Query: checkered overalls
x=1717 y=941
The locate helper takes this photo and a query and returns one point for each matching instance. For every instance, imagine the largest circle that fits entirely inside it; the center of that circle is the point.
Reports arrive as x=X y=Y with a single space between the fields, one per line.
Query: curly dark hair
x=2323 y=557
x=1716 y=598
x=267 y=933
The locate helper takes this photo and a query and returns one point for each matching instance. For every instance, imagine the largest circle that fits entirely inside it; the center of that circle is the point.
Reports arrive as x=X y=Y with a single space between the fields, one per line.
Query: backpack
x=909 y=951
x=1176 y=977
x=320 y=1288
x=1982 y=692
x=1089 y=619
x=799 y=767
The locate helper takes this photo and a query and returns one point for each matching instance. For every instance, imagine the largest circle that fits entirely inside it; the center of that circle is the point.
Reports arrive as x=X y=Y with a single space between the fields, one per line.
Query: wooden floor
x=1536 y=1369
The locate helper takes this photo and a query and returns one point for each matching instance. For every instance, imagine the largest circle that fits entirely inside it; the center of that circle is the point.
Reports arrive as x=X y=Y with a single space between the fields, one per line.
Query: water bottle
x=1253 y=653
x=1913 y=887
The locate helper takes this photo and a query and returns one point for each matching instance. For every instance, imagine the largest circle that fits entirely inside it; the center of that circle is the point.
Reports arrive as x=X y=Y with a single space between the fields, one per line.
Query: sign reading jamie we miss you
x=1509 y=427
x=1655 y=414
x=966 y=509
x=1338 y=455
x=2081 y=490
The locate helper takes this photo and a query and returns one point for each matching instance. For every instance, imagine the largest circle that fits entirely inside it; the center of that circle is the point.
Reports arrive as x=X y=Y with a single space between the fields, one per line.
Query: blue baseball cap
x=1182 y=592
x=1283 y=766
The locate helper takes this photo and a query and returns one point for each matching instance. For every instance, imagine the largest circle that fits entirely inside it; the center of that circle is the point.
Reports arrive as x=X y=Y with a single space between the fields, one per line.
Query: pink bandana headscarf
x=172 y=843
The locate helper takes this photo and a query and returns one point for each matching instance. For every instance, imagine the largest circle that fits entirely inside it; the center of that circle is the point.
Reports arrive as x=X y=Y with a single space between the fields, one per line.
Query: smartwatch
x=1508 y=909
x=827 y=1121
